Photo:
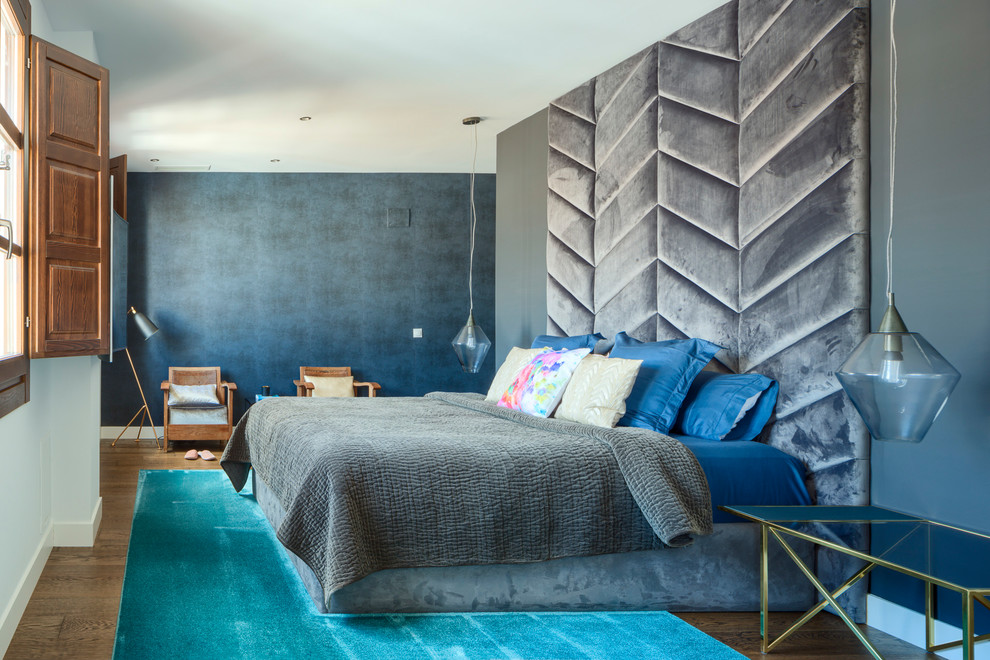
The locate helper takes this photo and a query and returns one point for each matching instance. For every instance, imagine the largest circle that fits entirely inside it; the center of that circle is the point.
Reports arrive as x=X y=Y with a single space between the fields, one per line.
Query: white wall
x=82 y=43
x=50 y=472
x=25 y=518
x=49 y=477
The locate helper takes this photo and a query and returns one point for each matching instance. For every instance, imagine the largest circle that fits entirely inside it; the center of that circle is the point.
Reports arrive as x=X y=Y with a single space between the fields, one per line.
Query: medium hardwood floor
x=73 y=611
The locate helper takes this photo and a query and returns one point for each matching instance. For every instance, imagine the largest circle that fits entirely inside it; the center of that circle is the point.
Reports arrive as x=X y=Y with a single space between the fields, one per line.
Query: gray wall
x=262 y=273
x=521 y=234
x=941 y=240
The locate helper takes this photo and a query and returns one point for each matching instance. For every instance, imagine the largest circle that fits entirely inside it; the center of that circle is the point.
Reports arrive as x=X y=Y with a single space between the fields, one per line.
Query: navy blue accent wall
x=262 y=273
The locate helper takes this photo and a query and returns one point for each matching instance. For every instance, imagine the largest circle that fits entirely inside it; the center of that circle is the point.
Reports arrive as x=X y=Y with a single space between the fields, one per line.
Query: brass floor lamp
x=147 y=329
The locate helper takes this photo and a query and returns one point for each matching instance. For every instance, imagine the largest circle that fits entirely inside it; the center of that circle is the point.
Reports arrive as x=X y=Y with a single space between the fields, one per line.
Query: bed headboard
x=716 y=185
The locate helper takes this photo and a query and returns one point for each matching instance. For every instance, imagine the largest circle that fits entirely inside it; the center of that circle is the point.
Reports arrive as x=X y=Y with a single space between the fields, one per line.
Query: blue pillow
x=668 y=369
x=567 y=343
x=750 y=426
x=715 y=401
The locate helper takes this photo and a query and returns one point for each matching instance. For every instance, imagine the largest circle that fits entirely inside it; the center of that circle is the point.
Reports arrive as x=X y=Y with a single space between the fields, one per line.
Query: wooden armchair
x=311 y=382
x=203 y=419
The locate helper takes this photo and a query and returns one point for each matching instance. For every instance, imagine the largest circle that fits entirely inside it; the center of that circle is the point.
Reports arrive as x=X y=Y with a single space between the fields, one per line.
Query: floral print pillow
x=540 y=384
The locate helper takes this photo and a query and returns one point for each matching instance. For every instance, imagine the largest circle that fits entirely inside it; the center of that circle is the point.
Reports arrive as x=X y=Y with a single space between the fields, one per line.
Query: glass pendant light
x=897 y=381
x=471 y=344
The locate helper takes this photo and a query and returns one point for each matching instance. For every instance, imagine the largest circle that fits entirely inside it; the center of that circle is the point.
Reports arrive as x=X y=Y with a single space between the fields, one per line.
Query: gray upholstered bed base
x=717 y=573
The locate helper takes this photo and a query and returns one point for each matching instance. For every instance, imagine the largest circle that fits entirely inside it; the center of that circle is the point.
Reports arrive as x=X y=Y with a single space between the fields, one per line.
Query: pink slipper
x=192 y=455
x=207 y=455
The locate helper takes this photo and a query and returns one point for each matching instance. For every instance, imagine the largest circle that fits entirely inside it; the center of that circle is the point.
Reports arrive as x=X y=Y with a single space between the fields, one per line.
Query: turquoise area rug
x=206 y=578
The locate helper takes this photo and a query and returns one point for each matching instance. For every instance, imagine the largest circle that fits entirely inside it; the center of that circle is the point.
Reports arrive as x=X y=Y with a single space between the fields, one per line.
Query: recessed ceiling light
x=154 y=160
x=305 y=118
x=275 y=160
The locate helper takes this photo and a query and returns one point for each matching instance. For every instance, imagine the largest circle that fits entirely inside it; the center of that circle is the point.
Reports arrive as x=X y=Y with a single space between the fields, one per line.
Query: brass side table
x=926 y=550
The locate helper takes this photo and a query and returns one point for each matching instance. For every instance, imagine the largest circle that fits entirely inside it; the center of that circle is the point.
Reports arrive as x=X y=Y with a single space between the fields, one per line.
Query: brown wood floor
x=73 y=611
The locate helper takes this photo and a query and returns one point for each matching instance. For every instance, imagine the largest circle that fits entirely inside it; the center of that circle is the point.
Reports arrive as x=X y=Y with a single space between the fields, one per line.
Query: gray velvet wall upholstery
x=716 y=185
x=262 y=273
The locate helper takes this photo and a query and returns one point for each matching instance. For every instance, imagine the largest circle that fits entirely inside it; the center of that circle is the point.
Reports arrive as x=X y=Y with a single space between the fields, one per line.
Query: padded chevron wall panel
x=716 y=185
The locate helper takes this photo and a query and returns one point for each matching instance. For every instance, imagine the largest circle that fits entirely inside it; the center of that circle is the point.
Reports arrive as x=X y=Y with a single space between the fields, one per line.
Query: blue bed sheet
x=748 y=472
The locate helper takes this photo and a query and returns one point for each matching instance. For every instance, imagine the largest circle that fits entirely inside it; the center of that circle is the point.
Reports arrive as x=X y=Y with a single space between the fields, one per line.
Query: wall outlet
x=417 y=333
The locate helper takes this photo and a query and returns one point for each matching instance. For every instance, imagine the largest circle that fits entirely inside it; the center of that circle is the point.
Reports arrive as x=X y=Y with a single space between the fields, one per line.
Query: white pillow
x=506 y=374
x=332 y=386
x=598 y=389
x=193 y=395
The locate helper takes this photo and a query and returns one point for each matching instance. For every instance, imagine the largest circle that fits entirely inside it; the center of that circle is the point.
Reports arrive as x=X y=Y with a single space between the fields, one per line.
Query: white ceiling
x=222 y=83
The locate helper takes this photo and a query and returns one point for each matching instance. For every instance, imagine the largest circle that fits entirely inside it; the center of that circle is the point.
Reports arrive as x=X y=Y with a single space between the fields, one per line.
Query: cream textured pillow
x=331 y=385
x=598 y=389
x=506 y=374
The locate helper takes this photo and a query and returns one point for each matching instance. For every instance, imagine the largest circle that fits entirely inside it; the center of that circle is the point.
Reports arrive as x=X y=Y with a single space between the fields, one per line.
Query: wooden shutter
x=118 y=174
x=70 y=211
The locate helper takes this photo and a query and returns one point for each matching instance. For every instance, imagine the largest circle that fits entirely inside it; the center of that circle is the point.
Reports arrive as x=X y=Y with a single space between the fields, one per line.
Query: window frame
x=15 y=369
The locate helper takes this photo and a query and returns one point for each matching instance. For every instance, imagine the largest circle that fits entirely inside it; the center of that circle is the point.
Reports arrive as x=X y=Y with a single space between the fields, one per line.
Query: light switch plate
x=417 y=333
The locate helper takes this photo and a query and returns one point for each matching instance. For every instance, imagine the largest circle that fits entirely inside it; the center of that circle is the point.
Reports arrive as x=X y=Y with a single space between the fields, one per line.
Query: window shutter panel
x=118 y=174
x=70 y=206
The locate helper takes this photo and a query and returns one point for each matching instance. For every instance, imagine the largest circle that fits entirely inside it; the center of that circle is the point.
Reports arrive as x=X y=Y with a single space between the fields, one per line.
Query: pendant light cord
x=474 y=222
x=893 y=148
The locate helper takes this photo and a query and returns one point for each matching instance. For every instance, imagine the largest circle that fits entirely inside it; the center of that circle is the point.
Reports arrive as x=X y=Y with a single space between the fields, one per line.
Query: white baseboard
x=79 y=535
x=908 y=625
x=111 y=432
x=14 y=610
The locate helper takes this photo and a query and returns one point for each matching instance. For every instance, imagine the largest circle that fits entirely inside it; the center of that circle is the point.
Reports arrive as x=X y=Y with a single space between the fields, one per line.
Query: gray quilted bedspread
x=449 y=479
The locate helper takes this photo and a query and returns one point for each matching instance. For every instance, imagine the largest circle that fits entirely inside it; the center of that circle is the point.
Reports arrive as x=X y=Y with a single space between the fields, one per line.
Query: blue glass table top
x=945 y=555
x=816 y=513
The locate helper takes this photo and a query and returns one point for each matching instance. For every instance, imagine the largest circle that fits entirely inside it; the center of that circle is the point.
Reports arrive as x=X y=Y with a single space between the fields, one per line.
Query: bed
x=714 y=185
x=450 y=503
